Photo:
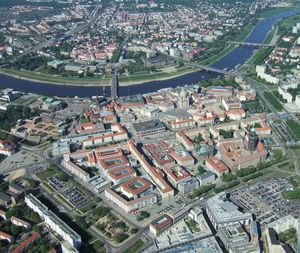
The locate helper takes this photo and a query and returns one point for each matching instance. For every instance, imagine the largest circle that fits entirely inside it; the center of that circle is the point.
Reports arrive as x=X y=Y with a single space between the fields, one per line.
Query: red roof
x=217 y=164
x=24 y=244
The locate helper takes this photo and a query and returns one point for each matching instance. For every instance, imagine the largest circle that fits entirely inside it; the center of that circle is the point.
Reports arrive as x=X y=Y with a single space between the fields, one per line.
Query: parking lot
x=264 y=199
x=75 y=197
x=56 y=184
x=282 y=129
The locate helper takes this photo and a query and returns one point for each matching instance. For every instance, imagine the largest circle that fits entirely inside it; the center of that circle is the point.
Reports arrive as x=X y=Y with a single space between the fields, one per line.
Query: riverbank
x=95 y=81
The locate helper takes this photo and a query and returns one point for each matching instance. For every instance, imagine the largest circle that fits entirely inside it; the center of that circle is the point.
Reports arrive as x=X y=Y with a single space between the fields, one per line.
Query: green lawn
x=273 y=101
x=294 y=128
x=270 y=36
x=155 y=75
x=297 y=154
x=274 y=11
x=44 y=174
x=260 y=55
x=245 y=33
x=135 y=247
x=143 y=77
x=253 y=106
x=49 y=187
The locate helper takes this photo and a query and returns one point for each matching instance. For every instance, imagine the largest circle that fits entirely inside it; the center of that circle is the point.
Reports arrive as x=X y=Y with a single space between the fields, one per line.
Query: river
x=236 y=57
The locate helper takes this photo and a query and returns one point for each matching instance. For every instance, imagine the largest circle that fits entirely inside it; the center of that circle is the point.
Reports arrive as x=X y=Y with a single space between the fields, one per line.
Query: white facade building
x=53 y=222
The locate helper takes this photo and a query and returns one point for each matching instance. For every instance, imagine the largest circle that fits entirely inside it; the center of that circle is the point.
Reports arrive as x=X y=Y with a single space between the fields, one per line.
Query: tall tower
x=252 y=140
x=183 y=100
x=114 y=84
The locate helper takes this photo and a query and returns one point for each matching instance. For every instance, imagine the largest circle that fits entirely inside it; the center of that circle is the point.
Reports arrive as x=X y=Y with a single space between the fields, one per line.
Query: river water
x=236 y=57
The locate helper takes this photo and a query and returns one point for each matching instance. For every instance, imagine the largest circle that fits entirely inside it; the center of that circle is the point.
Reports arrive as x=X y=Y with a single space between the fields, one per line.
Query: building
x=216 y=166
x=220 y=91
x=252 y=141
x=222 y=212
x=196 y=214
x=26 y=244
x=133 y=194
x=160 y=224
x=7 y=148
x=136 y=187
x=236 y=154
x=6 y=237
x=147 y=111
x=236 y=239
x=131 y=204
x=235 y=114
x=99 y=184
x=261 y=72
x=5 y=199
x=149 y=128
x=52 y=104
x=185 y=140
x=67 y=247
x=188 y=185
x=183 y=124
x=284 y=223
x=116 y=134
x=53 y=222
x=182 y=157
x=206 y=178
x=75 y=169
x=120 y=175
x=3 y=214
x=175 y=174
x=273 y=244
x=60 y=148
x=155 y=174
x=183 y=99
x=20 y=223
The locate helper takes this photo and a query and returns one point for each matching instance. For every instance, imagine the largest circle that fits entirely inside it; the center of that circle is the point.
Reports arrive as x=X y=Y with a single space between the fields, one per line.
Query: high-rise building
x=252 y=141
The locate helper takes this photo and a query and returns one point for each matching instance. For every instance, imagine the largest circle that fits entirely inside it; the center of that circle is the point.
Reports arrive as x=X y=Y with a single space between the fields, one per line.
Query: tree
x=14 y=211
x=101 y=211
x=228 y=177
x=15 y=230
x=180 y=64
x=134 y=231
x=120 y=237
x=201 y=170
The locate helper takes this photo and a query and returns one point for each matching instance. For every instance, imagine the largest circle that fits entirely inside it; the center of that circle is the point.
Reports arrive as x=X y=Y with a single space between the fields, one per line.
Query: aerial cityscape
x=142 y=126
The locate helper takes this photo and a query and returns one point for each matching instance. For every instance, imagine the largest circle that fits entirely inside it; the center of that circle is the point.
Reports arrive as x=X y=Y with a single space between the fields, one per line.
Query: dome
x=205 y=149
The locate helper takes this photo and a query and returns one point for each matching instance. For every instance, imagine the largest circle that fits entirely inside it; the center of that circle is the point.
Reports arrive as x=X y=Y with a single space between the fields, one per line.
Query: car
x=135 y=211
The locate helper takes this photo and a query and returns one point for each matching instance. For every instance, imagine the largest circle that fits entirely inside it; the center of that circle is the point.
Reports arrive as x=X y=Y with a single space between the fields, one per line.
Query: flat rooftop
x=148 y=125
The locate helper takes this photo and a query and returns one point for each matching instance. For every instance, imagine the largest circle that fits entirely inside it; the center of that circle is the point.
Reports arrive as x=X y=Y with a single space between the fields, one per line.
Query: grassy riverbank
x=95 y=81
x=241 y=37
x=275 y=11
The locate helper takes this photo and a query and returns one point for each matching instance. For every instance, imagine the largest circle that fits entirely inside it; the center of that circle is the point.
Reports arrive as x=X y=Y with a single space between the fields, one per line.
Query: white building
x=261 y=72
x=285 y=94
x=75 y=169
x=53 y=222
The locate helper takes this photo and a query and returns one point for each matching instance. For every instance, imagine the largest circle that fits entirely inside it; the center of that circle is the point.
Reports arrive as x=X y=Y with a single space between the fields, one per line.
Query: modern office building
x=222 y=212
